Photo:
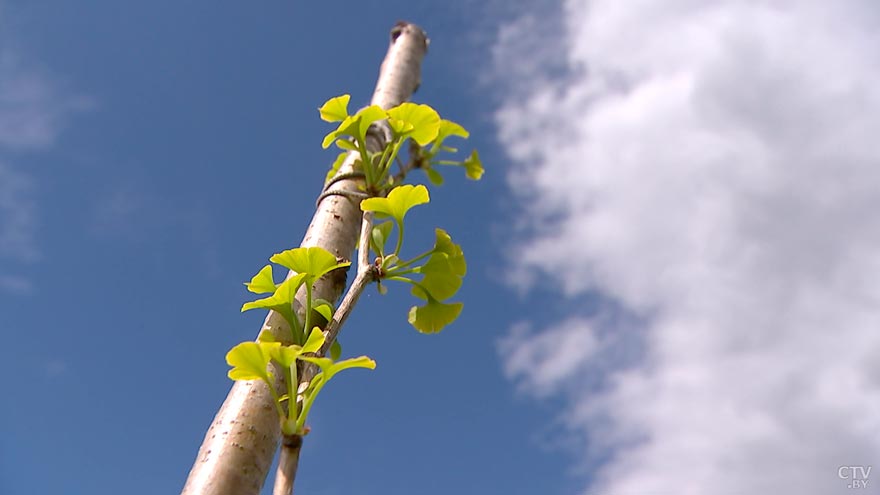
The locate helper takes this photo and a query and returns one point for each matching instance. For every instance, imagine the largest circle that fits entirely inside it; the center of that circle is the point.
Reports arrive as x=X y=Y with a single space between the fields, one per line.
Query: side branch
x=366 y=273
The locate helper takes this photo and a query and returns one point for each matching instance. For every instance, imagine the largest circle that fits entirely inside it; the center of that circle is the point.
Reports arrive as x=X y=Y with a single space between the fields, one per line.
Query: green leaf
x=313 y=261
x=398 y=202
x=346 y=145
x=315 y=341
x=434 y=176
x=419 y=122
x=337 y=164
x=389 y=262
x=367 y=116
x=335 y=109
x=440 y=280
x=347 y=127
x=433 y=316
x=325 y=309
x=443 y=244
x=473 y=167
x=335 y=350
x=380 y=235
x=250 y=359
x=262 y=282
x=286 y=355
x=330 y=368
x=355 y=126
x=449 y=128
x=283 y=296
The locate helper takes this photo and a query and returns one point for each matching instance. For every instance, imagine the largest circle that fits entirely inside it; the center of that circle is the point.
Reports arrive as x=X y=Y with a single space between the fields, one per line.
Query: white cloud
x=33 y=109
x=711 y=169
x=16 y=215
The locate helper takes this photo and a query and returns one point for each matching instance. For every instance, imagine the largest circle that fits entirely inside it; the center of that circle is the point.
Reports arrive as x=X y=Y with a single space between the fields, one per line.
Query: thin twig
x=366 y=273
x=288 y=460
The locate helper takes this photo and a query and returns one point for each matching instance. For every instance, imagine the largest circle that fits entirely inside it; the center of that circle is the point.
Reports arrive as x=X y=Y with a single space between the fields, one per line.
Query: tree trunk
x=240 y=444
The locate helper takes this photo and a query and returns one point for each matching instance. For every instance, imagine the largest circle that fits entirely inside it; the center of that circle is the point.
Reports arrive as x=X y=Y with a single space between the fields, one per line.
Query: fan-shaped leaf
x=473 y=167
x=398 y=202
x=335 y=109
x=262 y=282
x=433 y=316
x=250 y=359
x=419 y=122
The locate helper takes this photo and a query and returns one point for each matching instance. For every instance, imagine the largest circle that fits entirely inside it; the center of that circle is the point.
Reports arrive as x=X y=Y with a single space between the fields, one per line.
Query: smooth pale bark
x=240 y=444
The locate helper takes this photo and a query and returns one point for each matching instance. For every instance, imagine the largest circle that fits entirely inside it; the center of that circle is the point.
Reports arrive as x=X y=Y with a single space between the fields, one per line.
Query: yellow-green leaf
x=473 y=168
x=315 y=341
x=424 y=120
x=262 y=282
x=443 y=244
x=335 y=109
x=313 y=261
x=439 y=280
x=283 y=295
x=367 y=116
x=449 y=128
x=250 y=359
x=398 y=202
x=433 y=316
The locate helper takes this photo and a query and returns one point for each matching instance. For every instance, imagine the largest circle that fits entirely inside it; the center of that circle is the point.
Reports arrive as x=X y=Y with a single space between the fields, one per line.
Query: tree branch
x=366 y=273
x=238 y=448
x=288 y=461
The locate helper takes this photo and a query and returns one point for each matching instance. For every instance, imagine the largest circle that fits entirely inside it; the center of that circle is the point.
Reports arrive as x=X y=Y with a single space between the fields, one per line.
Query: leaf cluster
x=306 y=265
x=408 y=121
x=434 y=276
x=250 y=361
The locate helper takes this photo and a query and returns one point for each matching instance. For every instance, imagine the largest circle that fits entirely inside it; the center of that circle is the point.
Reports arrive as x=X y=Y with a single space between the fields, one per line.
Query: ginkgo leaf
x=424 y=122
x=250 y=359
x=313 y=261
x=262 y=282
x=449 y=128
x=398 y=202
x=380 y=235
x=326 y=310
x=367 y=116
x=286 y=355
x=440 y=281
x=335 y=109
x=346 y=145
x=434 y=176
x=335 y=350
x=433 y=316
x=330 y=368
x=443 y=244
x=315 y=341
x=283 y=295
x=473 y=168
x=347 y=127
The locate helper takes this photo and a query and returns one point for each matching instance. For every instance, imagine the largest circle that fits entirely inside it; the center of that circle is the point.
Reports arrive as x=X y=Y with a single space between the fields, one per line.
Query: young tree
x=279 y=375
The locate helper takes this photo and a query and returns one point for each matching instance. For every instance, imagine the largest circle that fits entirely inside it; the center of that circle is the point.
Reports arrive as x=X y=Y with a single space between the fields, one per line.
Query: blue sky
x=672 y=257
x=174 y=148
